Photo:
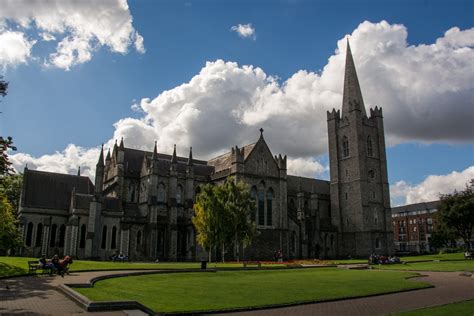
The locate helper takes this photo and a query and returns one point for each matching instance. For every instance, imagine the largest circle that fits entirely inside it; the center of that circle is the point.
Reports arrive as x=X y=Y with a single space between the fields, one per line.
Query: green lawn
x=463 y=265
x=10 y=266
x=236 y=289
x=465 y=308
x=446 y=256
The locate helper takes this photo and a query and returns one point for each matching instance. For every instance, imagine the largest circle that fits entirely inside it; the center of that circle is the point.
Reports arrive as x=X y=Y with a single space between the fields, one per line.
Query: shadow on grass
x=11 y=270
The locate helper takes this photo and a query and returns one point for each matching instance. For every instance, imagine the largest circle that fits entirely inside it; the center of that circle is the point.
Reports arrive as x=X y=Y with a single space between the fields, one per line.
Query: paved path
x=39 y=296
x=449 y=287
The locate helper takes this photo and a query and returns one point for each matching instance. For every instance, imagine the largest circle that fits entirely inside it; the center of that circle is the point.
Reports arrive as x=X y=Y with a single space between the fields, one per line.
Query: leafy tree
x=240 y=206
x=9 y=234
x=456 y=212
x=3 y=87
x=5 y=143
x=11 y=187
x=222 y=216
x=206 y=219
x=442 y=238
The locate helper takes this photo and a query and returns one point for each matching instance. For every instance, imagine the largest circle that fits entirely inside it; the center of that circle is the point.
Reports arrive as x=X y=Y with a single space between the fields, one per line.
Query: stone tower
x=360 y=201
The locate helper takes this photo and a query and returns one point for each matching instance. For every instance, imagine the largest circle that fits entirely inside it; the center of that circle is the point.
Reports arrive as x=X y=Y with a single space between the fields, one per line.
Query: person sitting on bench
x=57 y=265
x=44 y=264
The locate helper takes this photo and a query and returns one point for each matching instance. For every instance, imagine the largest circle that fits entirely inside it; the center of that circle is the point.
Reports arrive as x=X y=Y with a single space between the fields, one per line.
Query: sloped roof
x=307 y=185
x=52 y=190
x=133 y=160
x=223 y=161
x=416 y=207
x=82 y=201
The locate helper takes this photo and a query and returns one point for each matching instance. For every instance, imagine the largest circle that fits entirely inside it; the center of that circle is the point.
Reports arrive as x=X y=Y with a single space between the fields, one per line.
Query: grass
x=464 y=265
x=465 y=308
x=237 y=289
x=11 y=266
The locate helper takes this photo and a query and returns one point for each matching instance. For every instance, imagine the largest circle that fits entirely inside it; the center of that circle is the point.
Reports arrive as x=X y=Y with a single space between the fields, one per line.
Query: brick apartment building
x=413 y=225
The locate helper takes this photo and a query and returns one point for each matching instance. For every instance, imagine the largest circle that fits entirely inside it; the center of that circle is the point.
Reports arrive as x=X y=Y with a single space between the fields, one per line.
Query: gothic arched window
x=370 y=150
x=179 y=194
x=29 y=234
x=62 y=235
x=345 y=146
x=161 y=193
x=377 y=243
x=253 y=194
x=261 y=207
x=104 y=237
x=269 y=206
x=139 y=239
x=52 y=239
x=113 y=242
x=82 y=239
x=39 y=235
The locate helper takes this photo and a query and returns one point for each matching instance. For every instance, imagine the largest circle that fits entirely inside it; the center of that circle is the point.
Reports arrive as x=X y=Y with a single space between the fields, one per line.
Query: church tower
x=360 y=200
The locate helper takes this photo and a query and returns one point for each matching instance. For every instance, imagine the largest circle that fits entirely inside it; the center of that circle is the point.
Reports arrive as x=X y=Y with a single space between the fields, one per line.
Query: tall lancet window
x=179 y=194
x=261 y=208
x=370 y=150
x=269 y=207
x=161 y=193
x=345 y=146
x=253 y=194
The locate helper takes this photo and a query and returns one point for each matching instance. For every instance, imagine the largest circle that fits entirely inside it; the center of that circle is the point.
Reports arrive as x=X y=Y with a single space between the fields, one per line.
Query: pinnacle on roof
x=108 y=155
x=190 y=158
x=352 y=96
x=155 y=152
x=79 y=171
x=121 y=143
x=173 y=158
x=100 y=162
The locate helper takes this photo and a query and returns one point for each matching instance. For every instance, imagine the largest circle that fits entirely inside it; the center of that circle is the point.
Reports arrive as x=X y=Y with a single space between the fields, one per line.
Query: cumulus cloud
x=420 y=87
x=305 y=167
x=432 y=186
x=244 y=30
x=79 y=27
x=66 y=161
x=15 y=48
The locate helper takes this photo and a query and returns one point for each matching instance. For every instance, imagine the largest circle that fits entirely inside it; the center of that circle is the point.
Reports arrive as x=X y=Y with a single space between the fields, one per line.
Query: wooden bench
x=252 y=263
x=468 y=255
x=33 y=266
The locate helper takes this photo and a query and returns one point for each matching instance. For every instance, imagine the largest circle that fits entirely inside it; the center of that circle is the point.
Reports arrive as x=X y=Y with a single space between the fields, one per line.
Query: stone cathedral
x=141 y=203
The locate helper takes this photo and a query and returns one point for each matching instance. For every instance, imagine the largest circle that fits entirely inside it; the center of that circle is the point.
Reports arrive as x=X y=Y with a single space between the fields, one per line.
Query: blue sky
x=48 y=107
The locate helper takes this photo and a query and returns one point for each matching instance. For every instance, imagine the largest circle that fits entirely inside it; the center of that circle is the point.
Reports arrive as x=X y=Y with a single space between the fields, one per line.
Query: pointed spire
x=261 y=132
x=108 y=155
x=121 y=143
x=155 y=152
x=352 y=96
x=173 y=158
x=79 y=171
x=100 y=162
x=190 y=158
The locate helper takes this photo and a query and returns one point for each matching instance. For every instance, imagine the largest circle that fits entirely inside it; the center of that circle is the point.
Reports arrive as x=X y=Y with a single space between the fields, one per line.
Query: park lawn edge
x=431 y=308
x=412 y=274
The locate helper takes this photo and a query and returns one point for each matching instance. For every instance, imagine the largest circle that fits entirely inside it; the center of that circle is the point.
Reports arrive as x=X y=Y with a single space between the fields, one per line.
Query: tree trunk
x=210 y=254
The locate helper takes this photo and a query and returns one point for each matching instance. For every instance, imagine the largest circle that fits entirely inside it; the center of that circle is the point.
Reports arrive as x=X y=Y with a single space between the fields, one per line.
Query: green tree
x=3 y=87
x=456 y=212
x=222 y=216
x=240 y=206
x=9 y=235
x=5 y=143
x=11 y=187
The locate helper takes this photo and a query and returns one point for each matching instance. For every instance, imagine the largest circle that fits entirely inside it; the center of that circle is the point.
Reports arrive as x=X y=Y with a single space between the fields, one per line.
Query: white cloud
x=66 y=161
x=305 y=167
x=80 y=27
x=244 y=30
x=15 y=48
x=420 y=88
x=432 y=186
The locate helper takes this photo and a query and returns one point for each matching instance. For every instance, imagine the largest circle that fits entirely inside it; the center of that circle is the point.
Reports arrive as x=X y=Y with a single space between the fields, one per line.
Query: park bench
x=252 y=263
x=34 y=266
x=468 y=255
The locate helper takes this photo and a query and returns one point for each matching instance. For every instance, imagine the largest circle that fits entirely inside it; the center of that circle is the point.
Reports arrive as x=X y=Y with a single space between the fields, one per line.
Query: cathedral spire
x=121 y=143
x=79 y=170
x=155 y=152
x=173 y=158
x=190 y=158
x=108 y=155
x=100 y=162
x=352 y=96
